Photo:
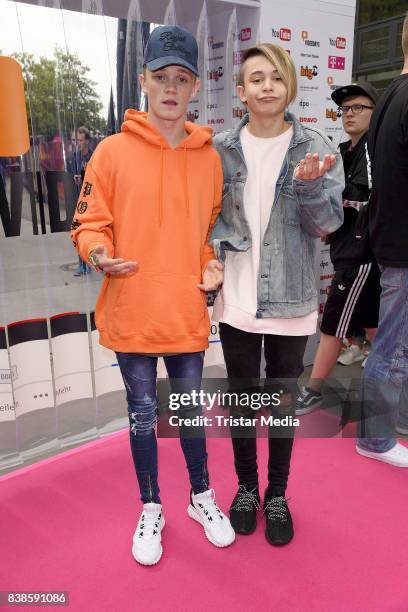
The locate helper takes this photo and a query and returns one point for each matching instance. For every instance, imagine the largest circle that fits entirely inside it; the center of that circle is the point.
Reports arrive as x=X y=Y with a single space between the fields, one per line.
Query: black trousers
x=284 y=364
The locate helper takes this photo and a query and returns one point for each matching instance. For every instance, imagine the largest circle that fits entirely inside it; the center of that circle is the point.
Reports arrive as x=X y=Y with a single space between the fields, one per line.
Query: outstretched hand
x=312 y=168
x=101 y=261
x=213 y=276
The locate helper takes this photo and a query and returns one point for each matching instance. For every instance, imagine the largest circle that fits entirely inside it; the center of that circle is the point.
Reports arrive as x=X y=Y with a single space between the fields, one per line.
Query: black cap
x=355 y=89
x=171 y=46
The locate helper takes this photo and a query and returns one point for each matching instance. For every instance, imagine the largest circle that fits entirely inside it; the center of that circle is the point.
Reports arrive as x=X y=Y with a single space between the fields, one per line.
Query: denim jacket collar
x=232 y=141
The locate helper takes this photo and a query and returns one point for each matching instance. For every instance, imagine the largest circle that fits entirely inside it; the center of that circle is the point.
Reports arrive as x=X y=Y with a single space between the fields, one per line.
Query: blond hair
x=280 y=59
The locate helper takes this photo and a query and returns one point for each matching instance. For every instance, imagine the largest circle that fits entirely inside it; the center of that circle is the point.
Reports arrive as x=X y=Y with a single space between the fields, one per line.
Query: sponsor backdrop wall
x=319 y=36
x=58 y=386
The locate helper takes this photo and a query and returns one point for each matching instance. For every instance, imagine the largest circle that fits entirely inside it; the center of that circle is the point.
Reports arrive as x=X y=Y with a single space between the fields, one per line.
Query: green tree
x=374 y=10
x=59 y=94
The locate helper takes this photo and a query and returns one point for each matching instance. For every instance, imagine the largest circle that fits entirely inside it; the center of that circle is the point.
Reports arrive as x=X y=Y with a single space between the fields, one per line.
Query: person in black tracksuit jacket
x=353 y=301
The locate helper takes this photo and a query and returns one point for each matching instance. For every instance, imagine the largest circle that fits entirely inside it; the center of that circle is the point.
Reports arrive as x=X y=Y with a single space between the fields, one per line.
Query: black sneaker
x=279 y=526
x=307 y=401
x=243 y=510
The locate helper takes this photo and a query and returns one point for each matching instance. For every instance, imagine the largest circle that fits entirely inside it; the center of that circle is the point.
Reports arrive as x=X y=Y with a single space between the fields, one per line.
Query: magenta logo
x=336 y=62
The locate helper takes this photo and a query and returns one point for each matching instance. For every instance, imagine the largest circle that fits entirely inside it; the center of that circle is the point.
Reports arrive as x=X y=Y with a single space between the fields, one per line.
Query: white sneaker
x=397 y=455
x=147 y=548
x=205 y=511
x=363 y=363
x=350 y=355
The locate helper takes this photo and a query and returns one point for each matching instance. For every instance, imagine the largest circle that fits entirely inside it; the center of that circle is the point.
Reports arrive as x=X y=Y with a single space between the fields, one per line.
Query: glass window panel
x=374 y=45
x=398 y=46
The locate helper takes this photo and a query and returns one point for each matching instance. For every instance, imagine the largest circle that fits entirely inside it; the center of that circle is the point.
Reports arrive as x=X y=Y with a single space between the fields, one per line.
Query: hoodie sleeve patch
x=81 y=207
x=87 y=189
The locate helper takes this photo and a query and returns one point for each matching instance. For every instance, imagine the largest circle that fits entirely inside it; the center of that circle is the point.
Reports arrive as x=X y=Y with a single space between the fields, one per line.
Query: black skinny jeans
x=284 y=362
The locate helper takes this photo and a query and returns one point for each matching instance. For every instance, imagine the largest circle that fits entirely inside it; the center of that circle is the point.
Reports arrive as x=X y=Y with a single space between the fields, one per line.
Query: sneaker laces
x=245 y=500
x=276 y=509
x=209 y=508
x=149 y=526
x=302 y=395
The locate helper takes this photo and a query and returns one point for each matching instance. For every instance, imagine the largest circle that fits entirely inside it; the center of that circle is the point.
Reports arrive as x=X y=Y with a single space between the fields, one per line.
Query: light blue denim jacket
x=300 y=212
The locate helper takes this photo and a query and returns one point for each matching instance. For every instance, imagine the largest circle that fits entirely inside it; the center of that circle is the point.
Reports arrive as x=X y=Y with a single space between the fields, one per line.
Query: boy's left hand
x=312 y=168
x=213 y=276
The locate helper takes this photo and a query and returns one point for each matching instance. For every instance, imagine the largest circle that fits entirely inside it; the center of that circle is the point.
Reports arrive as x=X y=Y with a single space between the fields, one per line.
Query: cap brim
x=170 y=60
x=341 y=93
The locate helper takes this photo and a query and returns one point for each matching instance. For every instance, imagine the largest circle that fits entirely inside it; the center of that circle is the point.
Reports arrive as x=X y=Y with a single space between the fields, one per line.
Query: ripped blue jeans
x=139 y=373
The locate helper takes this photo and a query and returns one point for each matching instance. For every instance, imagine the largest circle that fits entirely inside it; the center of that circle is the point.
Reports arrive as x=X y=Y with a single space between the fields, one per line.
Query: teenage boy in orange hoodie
x=150 y=197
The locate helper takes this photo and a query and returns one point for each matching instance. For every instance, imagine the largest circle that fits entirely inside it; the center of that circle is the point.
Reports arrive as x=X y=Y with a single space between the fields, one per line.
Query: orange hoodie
x=156 y=205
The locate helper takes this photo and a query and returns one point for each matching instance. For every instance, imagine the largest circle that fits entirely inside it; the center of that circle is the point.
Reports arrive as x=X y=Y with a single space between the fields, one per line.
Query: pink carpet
x=67 y=523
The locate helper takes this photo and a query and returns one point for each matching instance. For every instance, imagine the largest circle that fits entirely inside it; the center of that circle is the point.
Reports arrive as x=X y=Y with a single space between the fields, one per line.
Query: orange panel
x=14 y=139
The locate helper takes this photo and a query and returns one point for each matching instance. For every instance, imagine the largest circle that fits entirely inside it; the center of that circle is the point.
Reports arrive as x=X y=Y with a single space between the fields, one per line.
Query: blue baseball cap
x=171 y=46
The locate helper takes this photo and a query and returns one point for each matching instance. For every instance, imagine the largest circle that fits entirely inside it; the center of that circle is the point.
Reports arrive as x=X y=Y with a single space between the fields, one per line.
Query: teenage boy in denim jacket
x=282 y=189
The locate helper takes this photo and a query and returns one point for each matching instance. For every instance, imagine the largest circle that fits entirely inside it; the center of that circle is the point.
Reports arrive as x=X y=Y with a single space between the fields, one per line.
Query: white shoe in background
x=147 y=548
x=350 y=355
x=363 y=363
x=397 y=455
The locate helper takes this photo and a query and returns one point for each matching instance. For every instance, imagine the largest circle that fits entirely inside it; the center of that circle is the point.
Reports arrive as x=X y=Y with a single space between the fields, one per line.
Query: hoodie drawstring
x=161 y=185
x=186 y=182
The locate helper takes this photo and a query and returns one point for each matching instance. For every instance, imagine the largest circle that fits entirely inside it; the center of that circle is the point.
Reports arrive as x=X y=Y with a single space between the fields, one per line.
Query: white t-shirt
x=236 y=304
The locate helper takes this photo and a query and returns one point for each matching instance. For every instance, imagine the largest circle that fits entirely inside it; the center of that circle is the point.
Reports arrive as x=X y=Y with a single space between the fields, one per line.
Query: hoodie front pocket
x=160 y=308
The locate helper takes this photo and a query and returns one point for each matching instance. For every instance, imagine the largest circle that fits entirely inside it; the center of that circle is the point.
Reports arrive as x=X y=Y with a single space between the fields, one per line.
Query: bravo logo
x=331 y=114
x=283 y=34
x=308 y=119
x=219 y=121
x=309 y=73
x=339 y=42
